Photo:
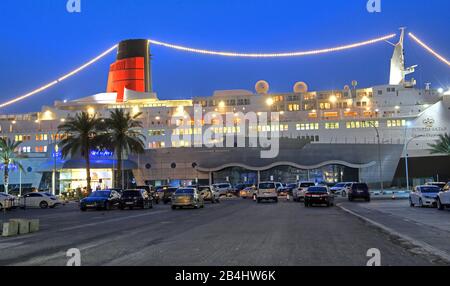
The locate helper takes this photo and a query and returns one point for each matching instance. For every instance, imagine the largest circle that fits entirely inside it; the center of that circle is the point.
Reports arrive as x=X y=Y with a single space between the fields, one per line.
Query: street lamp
x=54 y=170
x=406 y=158
x=379 y=154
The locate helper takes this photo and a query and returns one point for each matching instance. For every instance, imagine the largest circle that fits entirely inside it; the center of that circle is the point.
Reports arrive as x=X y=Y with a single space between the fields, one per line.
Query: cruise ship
x=348 y=134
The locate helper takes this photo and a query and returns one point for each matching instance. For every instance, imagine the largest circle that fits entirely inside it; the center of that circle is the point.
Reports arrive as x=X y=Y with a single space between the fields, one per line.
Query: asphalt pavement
x=235 y=232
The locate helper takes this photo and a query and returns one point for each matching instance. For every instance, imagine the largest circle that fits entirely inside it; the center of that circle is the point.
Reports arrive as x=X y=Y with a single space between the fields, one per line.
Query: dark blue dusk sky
x=40 y=41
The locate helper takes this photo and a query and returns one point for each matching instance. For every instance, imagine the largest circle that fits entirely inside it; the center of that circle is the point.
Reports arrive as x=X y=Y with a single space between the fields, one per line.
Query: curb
x=424 y=246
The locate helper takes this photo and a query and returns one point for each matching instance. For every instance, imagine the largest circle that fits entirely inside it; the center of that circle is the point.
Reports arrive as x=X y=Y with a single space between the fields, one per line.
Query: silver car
x=187 y=197
x=223 y=189
x=299 y=194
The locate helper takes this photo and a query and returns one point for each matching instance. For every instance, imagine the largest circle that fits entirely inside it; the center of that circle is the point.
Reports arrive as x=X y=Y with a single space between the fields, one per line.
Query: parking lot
x=234 y=232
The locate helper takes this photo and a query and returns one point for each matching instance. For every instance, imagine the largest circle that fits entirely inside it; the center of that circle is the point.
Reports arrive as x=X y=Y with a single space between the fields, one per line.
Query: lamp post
x=406 y=158
x=379 y=154
x=54 y=170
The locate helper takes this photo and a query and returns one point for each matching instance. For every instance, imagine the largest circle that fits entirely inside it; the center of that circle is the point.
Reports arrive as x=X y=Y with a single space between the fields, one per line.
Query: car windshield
x=340 y=185
x=128 y=194
x=100 y=194
x=306 y=185
x=430 y=190
x=266 y=186
x=292 y=185
x=184 y=192
x=362 y=187
x=440 y=185
x=317 y=190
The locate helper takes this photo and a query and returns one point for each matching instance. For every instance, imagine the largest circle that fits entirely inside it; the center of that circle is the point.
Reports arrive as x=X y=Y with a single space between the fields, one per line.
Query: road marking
x=110 y=220
x=425 y=246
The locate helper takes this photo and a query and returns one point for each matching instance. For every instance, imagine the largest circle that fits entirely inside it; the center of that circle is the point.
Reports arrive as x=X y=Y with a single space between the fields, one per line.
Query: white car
x=39 y=200
x=424 y=196
x=223 y=189
x=209 y=194
x=340 y=189
x=7 y=201
x=299 y=194
x=267 y=191
x=443 y=200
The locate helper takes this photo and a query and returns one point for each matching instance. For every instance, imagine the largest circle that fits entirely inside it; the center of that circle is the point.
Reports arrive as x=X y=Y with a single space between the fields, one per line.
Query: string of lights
x=64 y=77
x=272 y=55
x=430 y=50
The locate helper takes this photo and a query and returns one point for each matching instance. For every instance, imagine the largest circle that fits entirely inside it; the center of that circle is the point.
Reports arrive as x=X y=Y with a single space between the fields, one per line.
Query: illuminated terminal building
x=327 y=136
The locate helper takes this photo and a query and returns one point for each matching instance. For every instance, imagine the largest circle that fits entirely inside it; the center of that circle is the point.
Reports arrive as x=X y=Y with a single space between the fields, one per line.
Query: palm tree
x=442 y=146
x=8 y=157
x=123 y=135
x=80 y=137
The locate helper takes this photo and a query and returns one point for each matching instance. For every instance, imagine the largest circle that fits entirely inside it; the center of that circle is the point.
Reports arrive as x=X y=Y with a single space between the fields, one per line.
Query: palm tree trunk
x=88 y=168
x=6 y=178
x=119 y=168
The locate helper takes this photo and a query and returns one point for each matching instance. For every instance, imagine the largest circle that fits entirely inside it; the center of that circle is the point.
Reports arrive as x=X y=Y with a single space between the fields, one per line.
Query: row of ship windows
x=28 y=149
x=38 y=137
x=284 y=127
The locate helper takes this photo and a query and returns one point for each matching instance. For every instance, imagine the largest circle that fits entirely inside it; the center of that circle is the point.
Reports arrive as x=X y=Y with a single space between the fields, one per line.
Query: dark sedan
x=320 y=195
x=100 y=200
x=167 y=194
x=136 y=199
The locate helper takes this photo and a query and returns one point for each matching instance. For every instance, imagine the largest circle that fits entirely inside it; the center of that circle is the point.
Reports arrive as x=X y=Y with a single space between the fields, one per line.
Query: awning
x=49 y=165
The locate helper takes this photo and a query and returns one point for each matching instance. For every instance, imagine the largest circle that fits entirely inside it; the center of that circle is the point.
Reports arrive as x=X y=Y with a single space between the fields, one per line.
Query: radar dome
x=262 y=87
x=300 y=87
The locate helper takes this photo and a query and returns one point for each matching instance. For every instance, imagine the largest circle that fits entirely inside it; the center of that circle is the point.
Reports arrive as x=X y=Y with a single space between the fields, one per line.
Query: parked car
x=320 y=195
x=440 y=185
x=167 y=194
x=288 y=189
x=187 y=197
x=39 y=200
x=209 y=194
x=267 y=191
x=278 y=186
x=135 y=199
x=359 y=191
x=424 y=196
x=340 y=189
x=299 y=193
x=239 y=187
x=7 y=201
x=443 y=200
x=152 y=192
x=248 y=193
x=224 y=189
x=101 y=200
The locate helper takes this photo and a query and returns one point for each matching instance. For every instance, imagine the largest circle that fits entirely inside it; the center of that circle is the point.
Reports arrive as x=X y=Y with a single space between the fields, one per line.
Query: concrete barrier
x=34 y=225
x=24 y=225
x=10 y=229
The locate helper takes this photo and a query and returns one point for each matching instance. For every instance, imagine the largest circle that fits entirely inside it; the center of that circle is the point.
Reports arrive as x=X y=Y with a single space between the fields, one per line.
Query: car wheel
x=1 y=206
x=107 y=206
x=350 y=199
x=420 y=203
x=174 y=207
x=440 y=206
x=258 y=201
x=306 y=205
x=43 y=205
x=411 y=204
x=276 y=200
x=83 y=209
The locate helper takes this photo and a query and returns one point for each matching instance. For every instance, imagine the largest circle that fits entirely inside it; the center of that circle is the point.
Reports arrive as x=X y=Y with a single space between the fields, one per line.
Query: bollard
x=24 y=225
x=10 y=229
x=34 y=225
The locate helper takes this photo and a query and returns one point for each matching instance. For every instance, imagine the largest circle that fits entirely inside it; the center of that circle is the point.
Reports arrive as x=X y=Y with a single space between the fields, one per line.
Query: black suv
x=135 y=199
x=358 y=191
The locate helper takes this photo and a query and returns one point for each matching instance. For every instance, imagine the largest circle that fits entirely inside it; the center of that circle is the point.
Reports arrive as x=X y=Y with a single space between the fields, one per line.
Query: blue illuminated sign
x=102 y=153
